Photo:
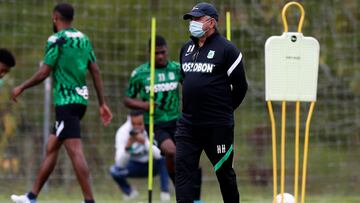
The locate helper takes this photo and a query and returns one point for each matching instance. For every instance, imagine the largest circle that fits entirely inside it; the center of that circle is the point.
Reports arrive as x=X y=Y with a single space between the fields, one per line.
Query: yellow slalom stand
x=291 y=63
x=228 y=26
x=151 y=110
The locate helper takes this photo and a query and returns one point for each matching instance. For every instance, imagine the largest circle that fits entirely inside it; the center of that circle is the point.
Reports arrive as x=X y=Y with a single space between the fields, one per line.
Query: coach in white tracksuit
x=131 y=158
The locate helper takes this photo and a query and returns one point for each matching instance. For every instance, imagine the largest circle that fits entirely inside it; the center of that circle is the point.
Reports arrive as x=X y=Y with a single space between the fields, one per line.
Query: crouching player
x=131 y=158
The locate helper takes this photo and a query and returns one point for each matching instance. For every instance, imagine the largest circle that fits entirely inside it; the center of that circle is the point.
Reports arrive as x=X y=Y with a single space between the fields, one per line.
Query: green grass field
x=119 y=30
x=210 y=194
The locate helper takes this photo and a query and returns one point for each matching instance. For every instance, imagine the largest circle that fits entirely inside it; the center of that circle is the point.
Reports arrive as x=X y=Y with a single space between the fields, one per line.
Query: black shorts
x=68 y=118
x=163 y=131
x=217 y=142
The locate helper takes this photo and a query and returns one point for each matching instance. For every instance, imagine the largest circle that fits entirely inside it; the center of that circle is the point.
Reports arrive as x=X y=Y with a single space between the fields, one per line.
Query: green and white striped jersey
x=68 y=53
x=166 y=89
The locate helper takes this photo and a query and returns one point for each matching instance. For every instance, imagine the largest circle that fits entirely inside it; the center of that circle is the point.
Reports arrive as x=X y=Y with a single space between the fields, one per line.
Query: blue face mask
x=196 y=29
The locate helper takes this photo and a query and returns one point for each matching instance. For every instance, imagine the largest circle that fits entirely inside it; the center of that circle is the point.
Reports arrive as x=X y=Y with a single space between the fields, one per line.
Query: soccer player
x=214 y=85
x=131 y=158
x=166 y=114
x=68 y=56
x=7 y=61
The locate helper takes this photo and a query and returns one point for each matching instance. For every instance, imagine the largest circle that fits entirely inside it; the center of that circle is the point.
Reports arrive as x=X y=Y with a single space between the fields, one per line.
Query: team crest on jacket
x=211 y=54
x=171 y=76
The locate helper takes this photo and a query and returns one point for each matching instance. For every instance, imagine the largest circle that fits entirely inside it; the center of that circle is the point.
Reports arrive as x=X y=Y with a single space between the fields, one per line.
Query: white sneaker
x=165 y=196
x=134 y=193
x=21 y=199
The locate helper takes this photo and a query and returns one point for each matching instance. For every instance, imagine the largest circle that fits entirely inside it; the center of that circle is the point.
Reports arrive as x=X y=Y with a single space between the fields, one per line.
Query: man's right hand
x=146 y=106
x=139 y=138
x=16 y=92
x=133 y=103
x=105 y=114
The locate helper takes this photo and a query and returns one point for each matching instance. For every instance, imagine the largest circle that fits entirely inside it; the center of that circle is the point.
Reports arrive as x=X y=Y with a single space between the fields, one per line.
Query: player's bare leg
x=48 y=164
x=75 y=152
x=169 y=149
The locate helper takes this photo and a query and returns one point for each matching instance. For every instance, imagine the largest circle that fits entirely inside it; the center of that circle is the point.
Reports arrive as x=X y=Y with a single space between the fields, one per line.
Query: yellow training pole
x=283 y=15
x=283 y=125
x=297 y=136
x=151 y=110
x=228 y=26
x=306 y=148
x=273 y=136
x=297 y=125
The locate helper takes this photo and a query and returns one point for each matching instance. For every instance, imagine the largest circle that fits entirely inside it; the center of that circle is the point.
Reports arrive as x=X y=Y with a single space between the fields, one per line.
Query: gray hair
x=216 y=23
